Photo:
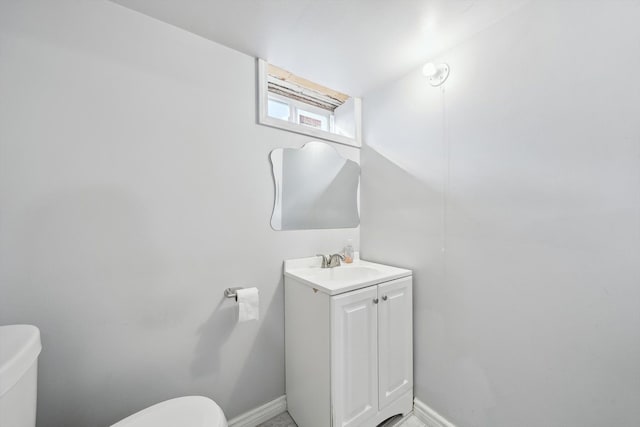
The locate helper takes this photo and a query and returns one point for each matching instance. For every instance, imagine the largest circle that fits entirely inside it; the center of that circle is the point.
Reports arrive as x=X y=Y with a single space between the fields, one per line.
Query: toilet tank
x=19 y=350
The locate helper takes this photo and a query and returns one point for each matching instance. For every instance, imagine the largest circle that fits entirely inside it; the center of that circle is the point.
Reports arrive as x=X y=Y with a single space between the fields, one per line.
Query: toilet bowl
x=19 y=350
x=189 y=411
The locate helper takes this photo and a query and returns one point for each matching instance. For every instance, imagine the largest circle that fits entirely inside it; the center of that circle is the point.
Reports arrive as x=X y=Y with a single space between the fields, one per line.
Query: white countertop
x=347 y=277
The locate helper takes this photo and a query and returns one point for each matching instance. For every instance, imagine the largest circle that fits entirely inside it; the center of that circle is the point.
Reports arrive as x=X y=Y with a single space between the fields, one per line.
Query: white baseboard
x=260 y=414
x=428 y=416
x=276 y=407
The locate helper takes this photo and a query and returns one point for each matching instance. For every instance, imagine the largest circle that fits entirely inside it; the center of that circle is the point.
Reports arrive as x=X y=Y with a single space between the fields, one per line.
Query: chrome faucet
x=325 y=261
x=334 y=260
x=331 y=261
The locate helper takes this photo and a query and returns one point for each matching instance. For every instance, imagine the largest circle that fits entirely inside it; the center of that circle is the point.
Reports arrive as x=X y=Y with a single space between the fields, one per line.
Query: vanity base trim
x=402 y=406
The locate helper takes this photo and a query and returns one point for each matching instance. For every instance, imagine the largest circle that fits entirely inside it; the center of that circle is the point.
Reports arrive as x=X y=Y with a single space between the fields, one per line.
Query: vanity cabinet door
x=395 y=339
x=354 y=357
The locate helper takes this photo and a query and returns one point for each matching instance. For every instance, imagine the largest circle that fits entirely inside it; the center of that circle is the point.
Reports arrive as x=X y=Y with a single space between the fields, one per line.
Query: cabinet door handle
x=375 y=300
x=384 y=297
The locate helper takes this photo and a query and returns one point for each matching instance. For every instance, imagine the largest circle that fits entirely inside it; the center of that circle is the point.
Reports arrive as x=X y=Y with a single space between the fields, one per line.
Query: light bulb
x=429 y=69
x=436 y=74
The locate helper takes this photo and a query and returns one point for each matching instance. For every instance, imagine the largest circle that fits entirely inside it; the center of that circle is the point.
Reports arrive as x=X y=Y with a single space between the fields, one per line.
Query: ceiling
x=348 y=45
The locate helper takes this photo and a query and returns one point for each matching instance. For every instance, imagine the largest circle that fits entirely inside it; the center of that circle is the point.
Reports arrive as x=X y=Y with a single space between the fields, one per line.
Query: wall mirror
x=315 y=187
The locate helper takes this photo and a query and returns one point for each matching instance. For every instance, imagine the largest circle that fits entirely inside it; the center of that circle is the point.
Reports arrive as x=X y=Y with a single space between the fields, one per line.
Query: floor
x=284 y=420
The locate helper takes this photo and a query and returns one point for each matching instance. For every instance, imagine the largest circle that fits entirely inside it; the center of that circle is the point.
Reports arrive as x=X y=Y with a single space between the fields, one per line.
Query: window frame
x=294 y=108
x=280 y=100
x=265 y=119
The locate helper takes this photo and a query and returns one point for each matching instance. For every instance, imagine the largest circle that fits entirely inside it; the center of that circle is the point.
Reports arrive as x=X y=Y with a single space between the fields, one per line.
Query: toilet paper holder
x=231 y=293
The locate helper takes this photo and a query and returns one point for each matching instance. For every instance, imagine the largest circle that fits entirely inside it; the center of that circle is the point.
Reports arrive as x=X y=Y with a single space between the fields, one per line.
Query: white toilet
x=189 y=411
x=19 y=350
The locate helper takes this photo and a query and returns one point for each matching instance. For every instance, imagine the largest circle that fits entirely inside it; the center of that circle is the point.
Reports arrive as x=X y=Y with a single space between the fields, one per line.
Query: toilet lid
x=19 y=349
x=189 y=411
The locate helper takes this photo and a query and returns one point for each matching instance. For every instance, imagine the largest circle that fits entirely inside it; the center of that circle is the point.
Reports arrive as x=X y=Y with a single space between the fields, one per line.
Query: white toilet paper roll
x=248 y=304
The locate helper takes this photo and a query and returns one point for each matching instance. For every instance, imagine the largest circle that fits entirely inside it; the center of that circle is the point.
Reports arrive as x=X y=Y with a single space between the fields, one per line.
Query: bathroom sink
x=345 y=278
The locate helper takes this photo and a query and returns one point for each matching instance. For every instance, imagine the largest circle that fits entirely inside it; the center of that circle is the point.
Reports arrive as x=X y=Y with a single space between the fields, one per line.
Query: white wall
x=135 y=186
x=531 y=314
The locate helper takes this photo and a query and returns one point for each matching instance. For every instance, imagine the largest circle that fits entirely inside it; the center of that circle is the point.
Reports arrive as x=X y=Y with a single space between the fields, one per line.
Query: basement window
x=298 y=105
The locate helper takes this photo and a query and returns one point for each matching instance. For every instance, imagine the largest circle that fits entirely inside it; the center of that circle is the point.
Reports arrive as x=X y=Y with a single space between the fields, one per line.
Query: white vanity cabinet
x=349 y=355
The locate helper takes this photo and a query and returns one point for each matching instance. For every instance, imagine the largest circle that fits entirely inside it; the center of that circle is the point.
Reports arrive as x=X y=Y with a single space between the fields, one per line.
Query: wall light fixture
x=437 y=74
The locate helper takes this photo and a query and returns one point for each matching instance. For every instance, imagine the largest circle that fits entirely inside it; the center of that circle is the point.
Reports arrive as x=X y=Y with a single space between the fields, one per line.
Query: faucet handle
x=325 y=261
x=334 y=260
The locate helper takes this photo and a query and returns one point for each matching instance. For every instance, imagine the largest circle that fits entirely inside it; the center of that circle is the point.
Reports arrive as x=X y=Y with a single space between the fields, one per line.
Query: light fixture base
x=440 y=76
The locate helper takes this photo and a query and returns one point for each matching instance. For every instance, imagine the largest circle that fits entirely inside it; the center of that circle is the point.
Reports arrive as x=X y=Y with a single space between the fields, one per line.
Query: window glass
x=278 y=110
x=307 y=118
